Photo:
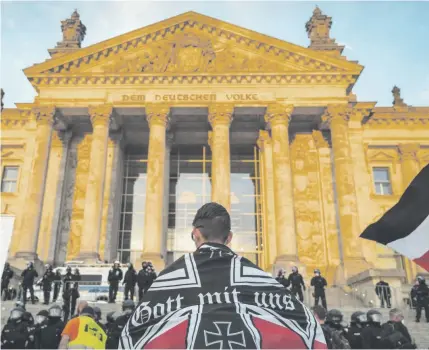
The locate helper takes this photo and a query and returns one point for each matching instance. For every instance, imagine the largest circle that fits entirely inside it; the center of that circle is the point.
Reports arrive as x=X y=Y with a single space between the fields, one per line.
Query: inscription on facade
x=183 y=97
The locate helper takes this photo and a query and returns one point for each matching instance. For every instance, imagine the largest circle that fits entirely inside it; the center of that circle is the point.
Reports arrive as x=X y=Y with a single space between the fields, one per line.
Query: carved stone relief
x=310 y=238
x=192 y=53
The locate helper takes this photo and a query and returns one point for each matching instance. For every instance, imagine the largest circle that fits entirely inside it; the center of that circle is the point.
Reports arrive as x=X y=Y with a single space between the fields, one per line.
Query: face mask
x=40 y=319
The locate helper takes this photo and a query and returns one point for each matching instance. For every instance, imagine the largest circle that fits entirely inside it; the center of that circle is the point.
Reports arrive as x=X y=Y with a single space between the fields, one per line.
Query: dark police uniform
x=70 y=293
x=47 y=279
x=28 y=275
x=422 y=300
x=49 y=334
x=6 y=276
x=57 y=284
x=14 y=335
x=115 y=276
x=319 y=284
x=382 y=289
x=130 y=281
x=296 y=281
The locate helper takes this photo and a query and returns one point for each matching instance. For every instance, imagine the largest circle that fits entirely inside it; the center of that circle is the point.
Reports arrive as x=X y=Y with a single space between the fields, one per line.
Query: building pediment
x=192 y=43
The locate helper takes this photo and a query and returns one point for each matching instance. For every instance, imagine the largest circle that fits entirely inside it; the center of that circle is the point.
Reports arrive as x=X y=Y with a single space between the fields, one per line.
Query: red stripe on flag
x=174 y=338
x=423 y=261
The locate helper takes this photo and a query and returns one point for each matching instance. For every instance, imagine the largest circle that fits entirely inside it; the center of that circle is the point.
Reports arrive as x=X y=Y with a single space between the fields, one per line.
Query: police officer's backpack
x=394 y=339
x=335 y=338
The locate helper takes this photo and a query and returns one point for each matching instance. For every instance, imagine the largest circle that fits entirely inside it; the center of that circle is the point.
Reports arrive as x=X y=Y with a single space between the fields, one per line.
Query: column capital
x=220 y=114
x=338 y=114
x=408 y=151
x=263 y=139
x=157 y=114
x=44 y=115
x=100 y=115
x=278 y=113
x=319 y=140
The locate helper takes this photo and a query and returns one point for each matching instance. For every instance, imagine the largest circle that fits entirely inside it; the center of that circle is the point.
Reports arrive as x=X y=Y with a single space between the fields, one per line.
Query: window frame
x=379 y=184
x=10 y=165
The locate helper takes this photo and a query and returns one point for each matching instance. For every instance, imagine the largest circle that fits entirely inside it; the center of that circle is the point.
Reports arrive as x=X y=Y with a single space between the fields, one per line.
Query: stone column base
x=21 y=259
x=354 y=266
x=156 y=259
x=89 y=257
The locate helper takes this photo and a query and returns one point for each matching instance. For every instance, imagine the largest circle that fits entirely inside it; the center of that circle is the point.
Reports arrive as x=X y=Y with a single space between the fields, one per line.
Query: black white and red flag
x=215 y=299
x=405 y=227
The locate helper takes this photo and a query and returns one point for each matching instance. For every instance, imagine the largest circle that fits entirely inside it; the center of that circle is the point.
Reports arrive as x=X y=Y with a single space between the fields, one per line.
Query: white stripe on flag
x=416 y=244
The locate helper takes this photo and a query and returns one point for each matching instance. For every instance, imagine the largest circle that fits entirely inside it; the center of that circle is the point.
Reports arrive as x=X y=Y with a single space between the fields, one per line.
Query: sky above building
x=390 y=39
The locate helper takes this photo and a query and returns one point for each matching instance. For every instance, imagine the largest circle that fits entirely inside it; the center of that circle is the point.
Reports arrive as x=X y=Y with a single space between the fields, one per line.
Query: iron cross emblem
x=223 y=337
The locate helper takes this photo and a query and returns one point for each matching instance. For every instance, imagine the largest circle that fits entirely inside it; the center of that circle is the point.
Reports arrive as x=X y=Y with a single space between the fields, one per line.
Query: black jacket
x=383 y=289
x=283 y=281
x=116 y=331
x=49 y=334
x=6 y=276
x=319 y=283
x=354 y=336
x=145 y=279
x=422 y=293
x=371 y=337
x=396 y=336
x=130 y=278
x=296 y=280
x=115 y=275
x=47 y=279
x=28 y=275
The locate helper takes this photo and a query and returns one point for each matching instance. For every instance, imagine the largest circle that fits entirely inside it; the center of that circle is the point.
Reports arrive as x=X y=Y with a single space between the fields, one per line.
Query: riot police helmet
x=358 y=317
x=317 y=272
x=334 y=316
x=281 y=272
x=420 y=279
x=58 y=271
x=28 y=317
x=97 y=312
x=294 y=269
x=20 y=304
x=6 y=265
x=373 y=316
x=76 y=271
x=16 y=313
x=41 y=316
x=109 y=317
x=68 y=268
x=128 y=306
x=30 y=264
x=55 y=311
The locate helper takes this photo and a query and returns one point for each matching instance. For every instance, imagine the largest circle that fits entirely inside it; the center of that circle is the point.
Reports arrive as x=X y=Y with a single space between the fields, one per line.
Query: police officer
x=34 y=330
x=47 y=279
x=282 y=279
x=319 y=284
x=145 y=278
x=335 y=334
x=28 y=276
x=296 y=281
x=14 y=333
x=354 y=332
x=76 y=278
x=371 y=334
x=382 y=289
x=67 y=292
x=130 y=281
x=49 y=334
x=57 y=284
x=110 y=323
x=97 y=316
x=116 y=330
x=6 y=276
x=422 y=299
x=115 y=276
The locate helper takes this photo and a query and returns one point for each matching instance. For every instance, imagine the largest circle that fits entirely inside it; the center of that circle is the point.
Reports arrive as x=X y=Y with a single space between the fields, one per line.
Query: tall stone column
x=157 y=118
x=410 y=169
x=168 y=144
x=278 y=117
x=28 y=239
x=53 y=195
x=265 y=145
x=220 y=118
x=100 y=119
x=337 y=117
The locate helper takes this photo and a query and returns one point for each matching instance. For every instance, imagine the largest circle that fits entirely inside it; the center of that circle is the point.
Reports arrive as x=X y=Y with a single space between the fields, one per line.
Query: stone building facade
x=128 y=137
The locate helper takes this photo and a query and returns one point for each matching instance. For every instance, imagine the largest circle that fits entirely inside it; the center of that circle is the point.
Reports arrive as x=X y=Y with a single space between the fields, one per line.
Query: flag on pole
x=405 y=227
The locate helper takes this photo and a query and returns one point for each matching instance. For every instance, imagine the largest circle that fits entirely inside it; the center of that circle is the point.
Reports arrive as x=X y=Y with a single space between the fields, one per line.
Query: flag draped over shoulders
x=216 y=299
x=405 y=227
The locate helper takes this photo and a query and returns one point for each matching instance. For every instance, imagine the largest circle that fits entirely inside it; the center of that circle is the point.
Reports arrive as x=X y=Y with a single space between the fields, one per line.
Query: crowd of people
x=212 y=287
